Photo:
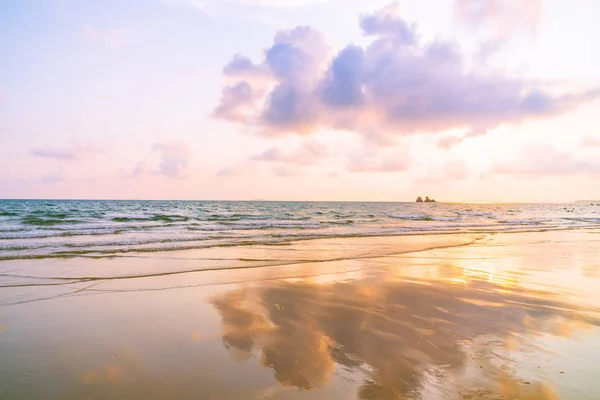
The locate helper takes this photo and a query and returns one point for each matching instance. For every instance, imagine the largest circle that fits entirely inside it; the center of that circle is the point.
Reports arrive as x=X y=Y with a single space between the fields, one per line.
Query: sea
x=110 y=228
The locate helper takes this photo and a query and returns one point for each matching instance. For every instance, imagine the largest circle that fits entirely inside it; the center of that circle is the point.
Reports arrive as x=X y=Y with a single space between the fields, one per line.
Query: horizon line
x=305 y=201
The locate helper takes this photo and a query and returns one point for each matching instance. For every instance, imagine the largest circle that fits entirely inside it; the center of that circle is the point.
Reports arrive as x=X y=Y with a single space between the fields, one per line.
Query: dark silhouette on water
x=427 y=200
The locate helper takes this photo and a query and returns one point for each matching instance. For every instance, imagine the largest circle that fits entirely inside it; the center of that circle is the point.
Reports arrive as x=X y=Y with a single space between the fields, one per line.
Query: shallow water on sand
x=473 y=316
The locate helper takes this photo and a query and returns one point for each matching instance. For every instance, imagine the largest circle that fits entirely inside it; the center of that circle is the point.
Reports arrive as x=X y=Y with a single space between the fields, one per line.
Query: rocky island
x=427 y=200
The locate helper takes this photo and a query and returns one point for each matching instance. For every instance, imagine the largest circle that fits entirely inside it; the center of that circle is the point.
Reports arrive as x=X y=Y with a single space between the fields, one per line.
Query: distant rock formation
x=419 y=199
x=427 y=200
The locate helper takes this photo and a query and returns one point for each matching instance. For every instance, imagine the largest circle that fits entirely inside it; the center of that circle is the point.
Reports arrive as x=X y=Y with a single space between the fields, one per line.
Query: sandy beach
x=481 y=316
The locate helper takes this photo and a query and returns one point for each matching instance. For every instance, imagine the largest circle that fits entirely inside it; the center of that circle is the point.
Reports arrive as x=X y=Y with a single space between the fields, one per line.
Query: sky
x=325 y=100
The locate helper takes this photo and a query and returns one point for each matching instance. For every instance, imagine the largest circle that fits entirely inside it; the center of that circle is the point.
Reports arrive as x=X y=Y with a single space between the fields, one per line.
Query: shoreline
x=422 y=244
x=97 y=254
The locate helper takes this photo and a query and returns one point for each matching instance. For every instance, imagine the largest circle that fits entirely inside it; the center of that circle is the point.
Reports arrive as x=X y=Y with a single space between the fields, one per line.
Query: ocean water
x=69 y=228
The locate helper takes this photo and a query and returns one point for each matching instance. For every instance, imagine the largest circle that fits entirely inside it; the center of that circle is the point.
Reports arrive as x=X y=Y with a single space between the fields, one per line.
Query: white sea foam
x=419 y=216
x=475 y=213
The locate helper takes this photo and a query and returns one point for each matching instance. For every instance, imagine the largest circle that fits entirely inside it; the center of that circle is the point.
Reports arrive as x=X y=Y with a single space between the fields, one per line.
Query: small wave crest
x=523 y=221
x=274 y=224
x=583 y=219
x=471 y=213
x=414 y=217
x=37 y=221
x=423 y=217
x=157 y=217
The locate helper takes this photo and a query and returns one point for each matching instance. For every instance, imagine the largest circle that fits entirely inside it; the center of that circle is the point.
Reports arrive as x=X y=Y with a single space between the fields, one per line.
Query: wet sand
x=506 y=316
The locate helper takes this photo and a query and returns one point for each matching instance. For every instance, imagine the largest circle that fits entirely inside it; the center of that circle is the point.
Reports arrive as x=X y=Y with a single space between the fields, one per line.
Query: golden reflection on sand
x=400 y=338
x=125 y=363
x=514 y=389
x=106 y=374
x=285 y=341
x=197 y=336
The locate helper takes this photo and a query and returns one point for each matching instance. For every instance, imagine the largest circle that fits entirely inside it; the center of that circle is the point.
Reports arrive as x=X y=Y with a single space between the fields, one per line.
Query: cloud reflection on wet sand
x=399 y=339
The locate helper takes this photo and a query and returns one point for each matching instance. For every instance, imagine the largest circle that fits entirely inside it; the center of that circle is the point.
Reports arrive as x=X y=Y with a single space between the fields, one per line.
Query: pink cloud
x=395 y=85
x=139 y=170
x=242 y=67
x=228 y=171
x=498 y=21
x=502 y=17
x=58 y=153
x=307 y=153
x=73 y=151
x=238 y=103
x=173 y=162
x=174 y=159
x=281 y=161
x=370 y=160
x=284 y=171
